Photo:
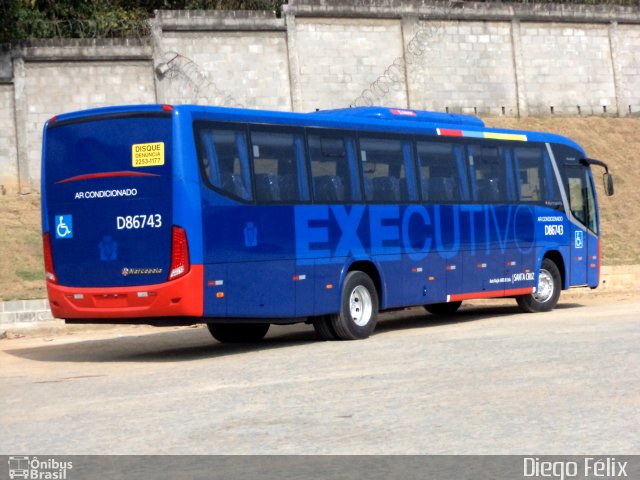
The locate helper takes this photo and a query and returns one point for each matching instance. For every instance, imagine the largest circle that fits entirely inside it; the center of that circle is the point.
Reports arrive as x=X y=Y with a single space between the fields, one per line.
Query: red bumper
x=177 y=298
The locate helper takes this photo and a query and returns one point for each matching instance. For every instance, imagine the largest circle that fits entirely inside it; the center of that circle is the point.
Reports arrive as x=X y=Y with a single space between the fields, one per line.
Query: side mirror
x=608 y=184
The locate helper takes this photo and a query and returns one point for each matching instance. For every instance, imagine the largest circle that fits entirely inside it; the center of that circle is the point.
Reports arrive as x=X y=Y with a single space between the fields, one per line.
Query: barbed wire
x=394 y=76
x=203 y=89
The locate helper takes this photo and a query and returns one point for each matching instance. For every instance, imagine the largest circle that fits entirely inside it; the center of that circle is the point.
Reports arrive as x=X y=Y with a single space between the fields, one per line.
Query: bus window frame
x=352 y=162
x=220 y=125
x=589 y=187
x=277 y=128
x=461 y=168
x=466 y=183
x=402 y=138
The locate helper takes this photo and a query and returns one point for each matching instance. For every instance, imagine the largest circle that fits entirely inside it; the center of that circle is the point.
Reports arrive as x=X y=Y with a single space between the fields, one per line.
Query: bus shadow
x=173 y=346
x=190 y=344
x=416 y=317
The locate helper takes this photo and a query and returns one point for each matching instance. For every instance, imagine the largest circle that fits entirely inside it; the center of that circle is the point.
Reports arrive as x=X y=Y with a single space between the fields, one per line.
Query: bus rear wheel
x=324 y=328
x=547 y=292
x=359 y=308
x=238 y=332
x=447 y=308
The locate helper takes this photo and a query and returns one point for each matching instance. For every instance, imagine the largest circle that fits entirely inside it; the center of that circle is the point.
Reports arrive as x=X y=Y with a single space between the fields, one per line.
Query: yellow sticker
x=147 y=154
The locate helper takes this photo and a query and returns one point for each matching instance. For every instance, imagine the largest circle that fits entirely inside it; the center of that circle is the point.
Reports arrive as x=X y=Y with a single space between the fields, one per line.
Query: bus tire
x=324 y=328
x=446 y=308
x=547 y=291
x=238 y=332
x=358 y=309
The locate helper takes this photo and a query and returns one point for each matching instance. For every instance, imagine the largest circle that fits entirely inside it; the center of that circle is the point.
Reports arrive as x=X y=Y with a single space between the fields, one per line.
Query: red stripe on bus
x=91 y=176
x=498 y=293
x=450 y=133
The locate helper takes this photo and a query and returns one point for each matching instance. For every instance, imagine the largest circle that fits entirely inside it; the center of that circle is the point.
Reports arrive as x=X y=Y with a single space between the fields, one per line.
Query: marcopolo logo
x=126 y=271
x=38 y=469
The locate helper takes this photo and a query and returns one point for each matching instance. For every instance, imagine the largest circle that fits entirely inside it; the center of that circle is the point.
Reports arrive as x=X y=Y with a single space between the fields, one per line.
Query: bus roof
x=385 y=119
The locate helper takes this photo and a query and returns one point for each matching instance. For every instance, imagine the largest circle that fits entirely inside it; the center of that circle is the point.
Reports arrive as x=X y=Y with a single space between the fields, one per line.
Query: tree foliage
x=30 y=19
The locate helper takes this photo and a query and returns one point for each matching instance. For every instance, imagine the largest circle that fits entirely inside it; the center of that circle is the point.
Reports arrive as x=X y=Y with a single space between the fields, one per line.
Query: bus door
x=583 y=225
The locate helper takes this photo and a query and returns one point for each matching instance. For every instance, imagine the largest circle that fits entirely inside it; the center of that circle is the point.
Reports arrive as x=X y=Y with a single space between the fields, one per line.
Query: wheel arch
x=556 y=257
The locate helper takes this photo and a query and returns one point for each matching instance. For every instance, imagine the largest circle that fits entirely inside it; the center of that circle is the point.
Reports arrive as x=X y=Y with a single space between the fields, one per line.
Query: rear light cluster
x=179 y=253
x=48 y=259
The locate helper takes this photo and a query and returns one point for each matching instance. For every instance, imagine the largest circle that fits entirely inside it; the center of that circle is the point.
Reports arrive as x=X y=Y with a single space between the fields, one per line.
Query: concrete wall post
x=518 y=68
x=294 y=63
x=20 y=105
x=618 y=78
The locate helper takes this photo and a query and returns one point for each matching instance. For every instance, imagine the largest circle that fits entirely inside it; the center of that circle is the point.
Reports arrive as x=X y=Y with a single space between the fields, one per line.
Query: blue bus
x=174 y=215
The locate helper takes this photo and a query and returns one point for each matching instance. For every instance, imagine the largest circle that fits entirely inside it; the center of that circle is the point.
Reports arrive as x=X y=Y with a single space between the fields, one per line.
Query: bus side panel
x=593 y=273
x=256 y=248
x=215 y=285
x=327 y=286
x=424 y=279
x=261 y=289
x=304 y=281
x=392 y=273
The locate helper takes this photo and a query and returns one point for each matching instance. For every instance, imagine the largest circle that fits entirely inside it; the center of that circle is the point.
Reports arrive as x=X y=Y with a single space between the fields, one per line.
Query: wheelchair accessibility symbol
x=64 y=226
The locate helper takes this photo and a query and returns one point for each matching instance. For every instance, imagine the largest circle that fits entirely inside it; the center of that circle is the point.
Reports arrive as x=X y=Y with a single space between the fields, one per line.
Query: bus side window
x=385 y=164
x=334 y=178
x=530 y=173
x=439 y=175
x=488 y=174
x=224 y=161
x=577 y=200
x=278 y=166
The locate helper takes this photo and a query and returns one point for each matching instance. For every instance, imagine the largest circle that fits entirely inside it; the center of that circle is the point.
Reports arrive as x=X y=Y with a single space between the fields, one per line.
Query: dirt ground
x=613 y=140
x=488 y=380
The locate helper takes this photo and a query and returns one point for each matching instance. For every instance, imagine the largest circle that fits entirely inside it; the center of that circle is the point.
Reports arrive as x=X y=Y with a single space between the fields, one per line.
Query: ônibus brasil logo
x=36 y=469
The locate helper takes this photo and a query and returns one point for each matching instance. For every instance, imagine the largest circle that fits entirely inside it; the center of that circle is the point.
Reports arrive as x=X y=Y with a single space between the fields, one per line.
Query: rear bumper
x=177 y=298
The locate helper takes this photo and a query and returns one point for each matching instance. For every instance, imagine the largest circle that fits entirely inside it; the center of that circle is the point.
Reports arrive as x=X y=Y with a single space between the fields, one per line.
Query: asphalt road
x=489 y=380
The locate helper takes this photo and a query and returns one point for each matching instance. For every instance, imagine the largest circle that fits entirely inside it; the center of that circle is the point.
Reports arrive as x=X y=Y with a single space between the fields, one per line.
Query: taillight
x=48 y=259
x=179 y=253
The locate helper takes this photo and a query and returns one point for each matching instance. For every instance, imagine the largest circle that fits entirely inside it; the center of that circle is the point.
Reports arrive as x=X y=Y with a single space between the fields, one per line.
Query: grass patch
x=31 y=275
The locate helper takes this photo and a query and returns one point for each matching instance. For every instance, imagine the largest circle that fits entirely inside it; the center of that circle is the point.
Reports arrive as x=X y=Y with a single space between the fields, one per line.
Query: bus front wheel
x=547 y=292
x=238 y=332
x=359 y=308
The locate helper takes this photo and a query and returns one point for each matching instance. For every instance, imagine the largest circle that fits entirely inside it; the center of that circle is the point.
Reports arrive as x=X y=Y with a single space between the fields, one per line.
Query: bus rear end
x=112 y=250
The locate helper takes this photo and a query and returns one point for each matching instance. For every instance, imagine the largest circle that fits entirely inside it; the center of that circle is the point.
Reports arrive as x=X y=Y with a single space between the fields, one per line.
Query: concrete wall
x=576 y=58
x=466 y=67
x=242 y=54
x=482 y=58
x=339 y=57
x=8 y=154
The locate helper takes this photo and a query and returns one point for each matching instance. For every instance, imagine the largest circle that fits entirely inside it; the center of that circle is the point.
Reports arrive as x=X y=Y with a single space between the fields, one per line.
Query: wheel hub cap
x=360 y=306
x=545 y=287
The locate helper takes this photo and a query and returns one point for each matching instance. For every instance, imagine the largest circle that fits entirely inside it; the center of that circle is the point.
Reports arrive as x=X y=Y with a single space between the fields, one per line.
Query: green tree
x=29 y=19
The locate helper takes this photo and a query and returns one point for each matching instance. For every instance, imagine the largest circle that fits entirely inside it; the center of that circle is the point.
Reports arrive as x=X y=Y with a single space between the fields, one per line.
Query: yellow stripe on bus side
x=506 y=136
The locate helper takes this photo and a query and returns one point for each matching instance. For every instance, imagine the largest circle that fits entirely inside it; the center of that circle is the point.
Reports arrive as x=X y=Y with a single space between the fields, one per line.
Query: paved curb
x=17 y=315
x=24 y=312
